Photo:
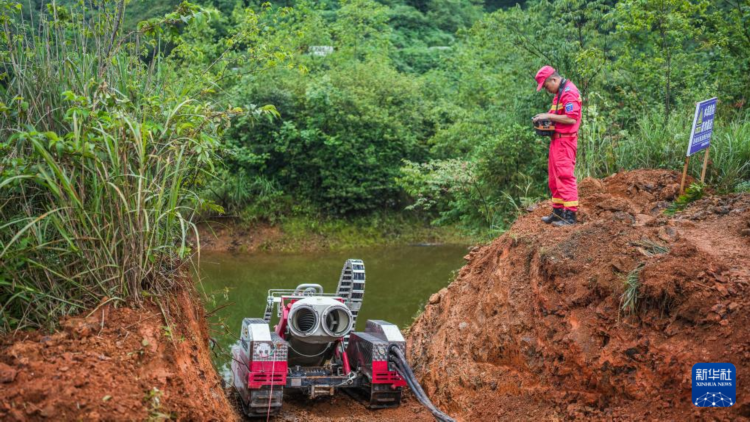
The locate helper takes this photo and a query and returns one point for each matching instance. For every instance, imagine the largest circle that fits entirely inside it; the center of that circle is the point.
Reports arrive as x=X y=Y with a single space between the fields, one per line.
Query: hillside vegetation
x=122 y=123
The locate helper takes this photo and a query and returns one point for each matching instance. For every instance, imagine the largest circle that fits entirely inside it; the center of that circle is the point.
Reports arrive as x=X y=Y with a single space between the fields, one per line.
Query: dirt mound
x=117 y=364
x=534 y=326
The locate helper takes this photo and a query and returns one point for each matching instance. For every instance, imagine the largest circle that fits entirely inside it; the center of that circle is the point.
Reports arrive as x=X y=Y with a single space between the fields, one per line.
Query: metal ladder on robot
x=352 y=288
x=268 y=312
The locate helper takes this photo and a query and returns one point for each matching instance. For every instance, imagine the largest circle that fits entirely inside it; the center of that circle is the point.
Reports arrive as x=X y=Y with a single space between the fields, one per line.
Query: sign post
x=700 y=136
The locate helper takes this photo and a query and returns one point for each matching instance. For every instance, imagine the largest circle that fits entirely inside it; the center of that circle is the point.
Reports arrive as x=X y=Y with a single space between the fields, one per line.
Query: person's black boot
x=555 y=216
x=568 y=219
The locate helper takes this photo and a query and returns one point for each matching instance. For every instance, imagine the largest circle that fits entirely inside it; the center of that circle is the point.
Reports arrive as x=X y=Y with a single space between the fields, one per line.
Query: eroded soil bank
x=533 y=327
x=125 y=364
x=306 y=235
x=116 y=364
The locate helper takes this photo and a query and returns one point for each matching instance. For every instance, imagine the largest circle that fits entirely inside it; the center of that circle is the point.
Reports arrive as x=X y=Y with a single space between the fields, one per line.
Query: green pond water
x=399 y=282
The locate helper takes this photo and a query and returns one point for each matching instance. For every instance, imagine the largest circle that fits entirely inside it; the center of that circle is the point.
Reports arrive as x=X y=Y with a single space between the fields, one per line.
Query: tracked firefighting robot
x=314 y=349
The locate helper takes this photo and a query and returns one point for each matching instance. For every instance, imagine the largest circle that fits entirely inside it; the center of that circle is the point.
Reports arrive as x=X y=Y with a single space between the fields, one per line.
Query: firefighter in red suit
x=566 y=116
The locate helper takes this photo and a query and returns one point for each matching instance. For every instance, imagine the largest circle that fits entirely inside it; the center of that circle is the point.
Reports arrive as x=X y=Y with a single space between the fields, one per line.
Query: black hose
x=403 y=369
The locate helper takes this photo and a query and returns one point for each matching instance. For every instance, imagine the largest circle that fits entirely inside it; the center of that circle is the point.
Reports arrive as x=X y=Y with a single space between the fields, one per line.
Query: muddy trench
x=534 y=327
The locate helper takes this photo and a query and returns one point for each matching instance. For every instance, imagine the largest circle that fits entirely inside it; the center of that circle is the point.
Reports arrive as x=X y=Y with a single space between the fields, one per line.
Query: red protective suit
x=563 y=148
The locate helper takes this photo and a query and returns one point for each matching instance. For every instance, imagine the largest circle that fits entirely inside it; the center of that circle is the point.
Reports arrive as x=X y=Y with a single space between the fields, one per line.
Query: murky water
x=399 y=282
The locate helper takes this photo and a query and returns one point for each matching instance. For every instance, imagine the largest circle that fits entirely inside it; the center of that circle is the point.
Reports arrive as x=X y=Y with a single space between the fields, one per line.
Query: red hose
x=345 y=359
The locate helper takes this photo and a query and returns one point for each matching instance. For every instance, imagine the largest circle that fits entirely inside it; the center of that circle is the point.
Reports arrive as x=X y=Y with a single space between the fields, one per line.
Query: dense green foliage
x=102 y=147
x=122 y=120
x=427 y=104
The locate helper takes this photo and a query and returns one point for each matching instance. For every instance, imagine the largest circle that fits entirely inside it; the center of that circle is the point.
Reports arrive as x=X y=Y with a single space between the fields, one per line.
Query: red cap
x=542 y=75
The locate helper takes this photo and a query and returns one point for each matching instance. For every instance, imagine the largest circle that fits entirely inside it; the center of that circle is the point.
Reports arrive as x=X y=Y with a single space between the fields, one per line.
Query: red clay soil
x=117 y=364
x=532 y=328
x=122 y=364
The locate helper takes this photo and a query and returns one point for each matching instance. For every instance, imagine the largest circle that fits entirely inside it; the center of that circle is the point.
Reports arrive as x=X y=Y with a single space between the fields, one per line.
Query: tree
x=662 y=44
x=361 y=30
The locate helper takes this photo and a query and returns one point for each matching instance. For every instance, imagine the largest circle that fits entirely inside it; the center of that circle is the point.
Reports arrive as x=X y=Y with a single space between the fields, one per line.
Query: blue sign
x=703 y=126
x=714 y=384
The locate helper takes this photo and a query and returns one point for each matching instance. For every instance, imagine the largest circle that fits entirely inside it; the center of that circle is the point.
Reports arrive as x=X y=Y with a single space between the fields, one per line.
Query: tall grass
x=730 y=155
x=100 y=148
x=651 y=143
